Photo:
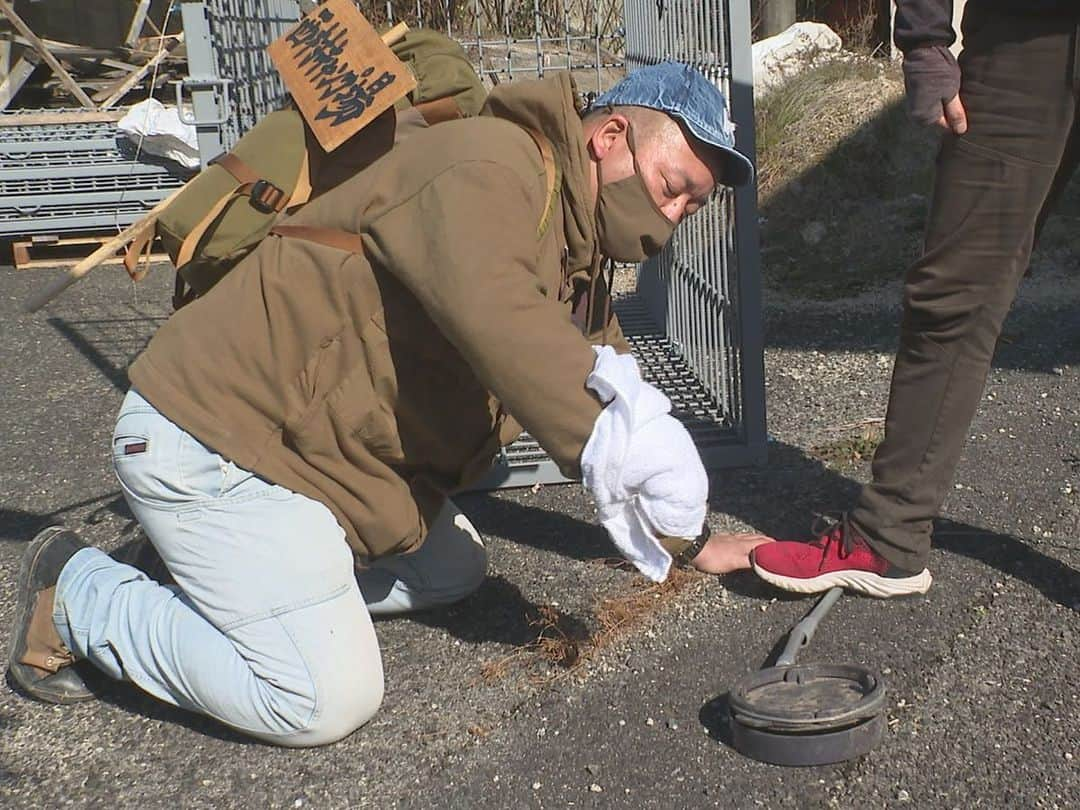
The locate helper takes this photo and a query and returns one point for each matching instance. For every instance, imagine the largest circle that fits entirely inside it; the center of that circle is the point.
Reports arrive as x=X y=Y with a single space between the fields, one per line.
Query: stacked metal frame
x=74 y=177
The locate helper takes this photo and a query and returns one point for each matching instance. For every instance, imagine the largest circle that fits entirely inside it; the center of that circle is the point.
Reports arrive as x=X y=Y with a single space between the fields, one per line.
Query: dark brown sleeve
x=921 y=23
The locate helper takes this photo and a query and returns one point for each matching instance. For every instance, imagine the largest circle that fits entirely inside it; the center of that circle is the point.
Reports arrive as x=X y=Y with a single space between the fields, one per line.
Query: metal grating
x=703 y=290
x=75 y=178
x=231 y=80
x=91 y=213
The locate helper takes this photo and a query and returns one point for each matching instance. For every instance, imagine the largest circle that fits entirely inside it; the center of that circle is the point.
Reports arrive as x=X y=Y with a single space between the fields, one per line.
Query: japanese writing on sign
x=339 y=71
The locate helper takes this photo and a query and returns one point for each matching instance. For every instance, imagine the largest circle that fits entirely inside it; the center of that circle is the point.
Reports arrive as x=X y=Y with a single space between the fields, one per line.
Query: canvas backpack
x=223 y=213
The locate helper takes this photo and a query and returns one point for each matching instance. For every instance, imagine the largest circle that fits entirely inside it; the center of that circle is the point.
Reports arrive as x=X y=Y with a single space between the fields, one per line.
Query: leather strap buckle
x=266 y=197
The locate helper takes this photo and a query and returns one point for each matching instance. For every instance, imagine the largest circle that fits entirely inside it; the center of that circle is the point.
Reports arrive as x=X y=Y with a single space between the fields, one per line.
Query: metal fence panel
x=703 y=290
x=232 y=83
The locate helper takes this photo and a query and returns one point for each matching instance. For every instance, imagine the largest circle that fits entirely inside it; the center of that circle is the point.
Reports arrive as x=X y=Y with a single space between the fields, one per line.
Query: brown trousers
x=993 y=188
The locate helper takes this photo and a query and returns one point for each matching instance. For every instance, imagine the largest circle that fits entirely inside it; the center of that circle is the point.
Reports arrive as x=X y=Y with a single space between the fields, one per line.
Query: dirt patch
x=856 y=447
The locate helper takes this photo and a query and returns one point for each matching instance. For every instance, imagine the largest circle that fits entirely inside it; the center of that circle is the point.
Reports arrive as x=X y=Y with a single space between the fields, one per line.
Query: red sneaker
x=838 y=557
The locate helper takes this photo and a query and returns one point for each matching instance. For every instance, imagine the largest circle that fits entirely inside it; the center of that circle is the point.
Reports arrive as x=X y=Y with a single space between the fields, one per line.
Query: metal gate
x=694 y=320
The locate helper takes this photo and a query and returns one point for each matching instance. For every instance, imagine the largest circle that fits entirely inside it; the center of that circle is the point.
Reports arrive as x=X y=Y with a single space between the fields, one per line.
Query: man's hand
x=724 y=553
x=954 y=116
x=932 y=80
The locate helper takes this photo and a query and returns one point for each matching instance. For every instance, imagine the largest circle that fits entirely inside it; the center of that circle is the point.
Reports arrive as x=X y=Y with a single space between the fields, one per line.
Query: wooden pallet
x=51 y=251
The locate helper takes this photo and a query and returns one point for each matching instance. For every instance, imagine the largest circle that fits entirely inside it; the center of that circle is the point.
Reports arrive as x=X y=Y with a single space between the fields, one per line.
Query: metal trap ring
x=807 y=714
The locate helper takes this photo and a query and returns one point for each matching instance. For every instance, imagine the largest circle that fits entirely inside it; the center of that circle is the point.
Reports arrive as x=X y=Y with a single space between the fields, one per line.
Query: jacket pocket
x=314 y=382
x=361 y=408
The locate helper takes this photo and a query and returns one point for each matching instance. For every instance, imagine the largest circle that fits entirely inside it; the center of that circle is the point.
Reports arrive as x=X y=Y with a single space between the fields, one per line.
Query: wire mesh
x=690 y=289
x=508 y=39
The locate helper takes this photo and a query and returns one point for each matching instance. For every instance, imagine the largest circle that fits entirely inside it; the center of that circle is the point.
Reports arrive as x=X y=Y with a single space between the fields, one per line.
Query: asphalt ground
x=565 y=681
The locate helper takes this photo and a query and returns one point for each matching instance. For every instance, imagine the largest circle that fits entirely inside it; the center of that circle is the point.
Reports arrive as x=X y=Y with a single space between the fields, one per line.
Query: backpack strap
x=302 y=190
x=264 y=196
x=551 y=173
x=331 y=237
x=439 y=110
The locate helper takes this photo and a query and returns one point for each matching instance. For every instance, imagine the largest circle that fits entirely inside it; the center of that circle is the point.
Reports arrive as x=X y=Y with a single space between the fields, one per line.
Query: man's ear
x=606 y=136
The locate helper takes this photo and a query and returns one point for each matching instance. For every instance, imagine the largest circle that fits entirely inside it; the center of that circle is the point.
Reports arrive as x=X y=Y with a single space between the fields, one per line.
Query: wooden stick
x=23 y=119
x=42 y=297
x=50 y=60
x=395 y=34
x=137 y=76
x=137 y=22
x=17 y=78
x=67 y=50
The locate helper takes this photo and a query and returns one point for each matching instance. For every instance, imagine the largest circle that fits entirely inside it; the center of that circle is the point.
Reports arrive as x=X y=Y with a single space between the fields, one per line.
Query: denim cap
x=683 y=93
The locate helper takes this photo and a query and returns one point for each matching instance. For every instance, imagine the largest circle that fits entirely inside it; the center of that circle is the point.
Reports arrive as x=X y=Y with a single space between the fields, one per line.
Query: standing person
x=1011 y=143
x=315 y=409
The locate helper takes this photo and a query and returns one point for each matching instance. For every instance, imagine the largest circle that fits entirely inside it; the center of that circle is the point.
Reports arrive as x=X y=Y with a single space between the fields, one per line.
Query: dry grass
x=843 y=181
x=518 y=18
x=853 y=449
x=800 y=124
x=561 y=647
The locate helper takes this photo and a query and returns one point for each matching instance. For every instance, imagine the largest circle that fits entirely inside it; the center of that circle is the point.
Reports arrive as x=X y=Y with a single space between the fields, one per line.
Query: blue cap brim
x=738 y=170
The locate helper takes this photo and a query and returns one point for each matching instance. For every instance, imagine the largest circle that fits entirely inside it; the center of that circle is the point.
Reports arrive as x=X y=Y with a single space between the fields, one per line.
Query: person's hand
x=953 y=116
x=724 y=553
x=932 y=81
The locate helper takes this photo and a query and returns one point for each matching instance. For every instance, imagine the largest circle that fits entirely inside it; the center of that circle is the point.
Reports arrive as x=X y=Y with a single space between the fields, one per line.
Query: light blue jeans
x=267 y=629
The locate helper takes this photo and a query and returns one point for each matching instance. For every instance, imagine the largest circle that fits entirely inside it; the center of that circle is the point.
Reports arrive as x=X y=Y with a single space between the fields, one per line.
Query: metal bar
x=801 y=633
x=201 y=62
x=751 y=346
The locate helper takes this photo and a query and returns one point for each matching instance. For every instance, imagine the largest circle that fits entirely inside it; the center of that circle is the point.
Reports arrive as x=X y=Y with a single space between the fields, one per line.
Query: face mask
x=629 y=225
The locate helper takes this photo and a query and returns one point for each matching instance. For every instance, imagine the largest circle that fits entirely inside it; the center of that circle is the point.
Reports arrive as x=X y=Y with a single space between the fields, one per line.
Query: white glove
x=641 y=466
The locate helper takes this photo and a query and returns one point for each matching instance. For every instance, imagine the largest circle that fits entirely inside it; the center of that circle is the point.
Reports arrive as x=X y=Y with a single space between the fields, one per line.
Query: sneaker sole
x=23 y=675
x=864 y=582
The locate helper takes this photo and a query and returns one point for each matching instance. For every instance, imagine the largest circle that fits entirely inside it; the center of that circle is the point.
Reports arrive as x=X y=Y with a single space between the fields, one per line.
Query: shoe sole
x=22 y=673
x=864 y=582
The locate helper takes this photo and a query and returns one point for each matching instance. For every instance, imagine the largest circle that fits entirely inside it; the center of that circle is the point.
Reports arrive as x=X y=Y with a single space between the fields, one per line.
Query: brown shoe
x=39 y=661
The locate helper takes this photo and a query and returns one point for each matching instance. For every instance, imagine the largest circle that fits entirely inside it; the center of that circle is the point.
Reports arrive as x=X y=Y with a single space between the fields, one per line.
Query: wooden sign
x=340 y=72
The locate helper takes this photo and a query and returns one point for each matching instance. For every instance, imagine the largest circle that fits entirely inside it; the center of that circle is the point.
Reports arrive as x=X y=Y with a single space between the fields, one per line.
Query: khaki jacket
x=379 y=382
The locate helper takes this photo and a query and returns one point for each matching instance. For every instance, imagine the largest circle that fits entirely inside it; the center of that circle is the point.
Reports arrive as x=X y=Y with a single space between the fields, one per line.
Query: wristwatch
x=684 y=551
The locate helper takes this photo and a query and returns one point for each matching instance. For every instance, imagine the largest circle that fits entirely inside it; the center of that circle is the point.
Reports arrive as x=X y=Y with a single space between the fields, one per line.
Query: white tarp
x=158 y=130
